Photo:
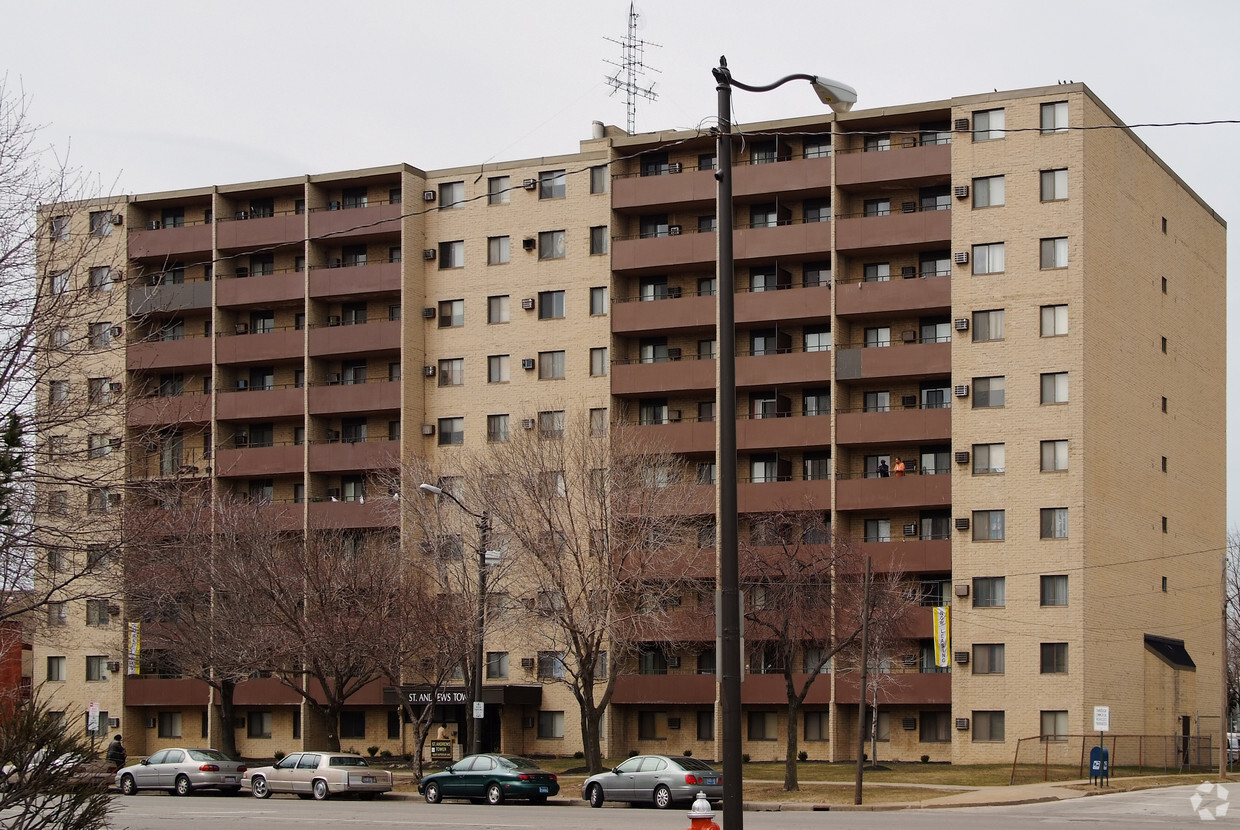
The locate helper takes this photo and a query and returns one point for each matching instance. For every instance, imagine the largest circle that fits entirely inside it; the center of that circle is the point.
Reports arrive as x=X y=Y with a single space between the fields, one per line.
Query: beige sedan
x=318 y=775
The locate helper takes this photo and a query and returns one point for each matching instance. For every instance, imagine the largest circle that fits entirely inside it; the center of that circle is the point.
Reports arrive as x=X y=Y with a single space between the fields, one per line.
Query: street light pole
x=840 y=97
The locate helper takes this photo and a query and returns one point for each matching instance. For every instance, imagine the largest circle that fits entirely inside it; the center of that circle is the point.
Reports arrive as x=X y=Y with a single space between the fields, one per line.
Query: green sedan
x=490 y=777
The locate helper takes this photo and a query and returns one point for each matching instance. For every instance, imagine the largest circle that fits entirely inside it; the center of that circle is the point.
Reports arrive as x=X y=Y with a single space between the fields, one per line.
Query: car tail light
x=209 y=768
x=524 y=777
x=690 y=778
x=242 y=768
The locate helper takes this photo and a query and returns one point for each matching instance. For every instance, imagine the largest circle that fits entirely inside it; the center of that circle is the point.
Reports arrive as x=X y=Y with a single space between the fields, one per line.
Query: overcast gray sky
x=161 y=96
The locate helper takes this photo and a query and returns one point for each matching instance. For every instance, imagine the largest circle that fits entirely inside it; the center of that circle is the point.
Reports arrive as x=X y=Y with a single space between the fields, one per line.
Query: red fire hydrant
x=700 y=816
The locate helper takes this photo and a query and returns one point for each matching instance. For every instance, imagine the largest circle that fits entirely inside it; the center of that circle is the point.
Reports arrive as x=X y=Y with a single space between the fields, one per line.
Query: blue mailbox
x=1099 y=765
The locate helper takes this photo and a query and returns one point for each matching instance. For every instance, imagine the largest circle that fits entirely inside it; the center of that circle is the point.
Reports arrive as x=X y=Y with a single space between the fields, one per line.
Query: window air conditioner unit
x=530 y=184
x=527 y=304
x=241 y=439
x=962 y=125
x=675 y=292
x=910 y=530
x=909 y=336
x=673 y=416
x=428 y=254
x=527 y=722
x=428 y=371
x=908 y=401
x=673 y=723
x=962 y=191
x=428 y=195
x=118 y=219
x=333 y=492
x=527 y=423
x=333 y=378
x=527 y=363
x=962 y=724
x=154 y=225
x=674 y=353
x=117 y=331
x=333 y=319
x=114 y=723
x=962 y=457
x=673 y=662
x=675 y=167
x=333 y=435
x=527 y=663
x=243 y=385
x=961 y=257
x=961 y=390
x=528 y=243
x=962 y=589
x=910 y=723
x=673 y=230
x=962 y=657
x=114 y=666
x=115 y=387
x=428 y=429
x=962 y=324
x=908 y=271
x=428 y=312
x=962 y=523
x=242 y=328
x=151 y=723
x=908 y=207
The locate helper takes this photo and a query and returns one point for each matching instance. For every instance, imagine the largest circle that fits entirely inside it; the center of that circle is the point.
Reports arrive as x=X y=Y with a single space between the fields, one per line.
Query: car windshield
x=347 y=761
x=208 y=755
x=694 y=763
x=517 y=762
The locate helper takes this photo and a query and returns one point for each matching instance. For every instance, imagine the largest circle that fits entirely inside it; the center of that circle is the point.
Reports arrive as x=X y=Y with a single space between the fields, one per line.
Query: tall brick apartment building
x=1029 y=314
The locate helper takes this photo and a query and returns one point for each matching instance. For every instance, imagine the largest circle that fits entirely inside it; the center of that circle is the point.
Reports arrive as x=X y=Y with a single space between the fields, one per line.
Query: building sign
x=443 y=697
x=135 y=648
x=942 y=636
x=441 y=750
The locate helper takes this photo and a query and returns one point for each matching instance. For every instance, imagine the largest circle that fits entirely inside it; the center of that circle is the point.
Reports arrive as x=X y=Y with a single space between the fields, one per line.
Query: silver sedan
x=661 y=780
x=181 y=771
x=319 y=775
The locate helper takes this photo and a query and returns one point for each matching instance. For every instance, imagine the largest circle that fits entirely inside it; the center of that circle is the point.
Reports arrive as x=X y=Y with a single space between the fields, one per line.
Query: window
x=101 y=223
x=817 y=466
x=550 y=665
x=988 y=525
x=57 y=613
x=598 y=239
x=169 y=724
x=988 y=658
x=598 y=362
x=58 y=503
x=987 y=726
x=497 y=190
x=551 y=365
x=58 y=392
x=815 y=274
x=451 y=195
x=989 y=592
x=988 y=125
x=1055 y=455
x=1054 y=523
x=598 y=179
x=59 y=228
x=708 y=224
x=100 y=279
x=497 y=665
x=598 y=300
x=878 y=530
x=258 y=725
x=988 y=258
x=935 y=727
x=452 y=371
x=551 y=423
x=988 y=191
x=99 y=500
x=877 y=402
x=988 y=392
x=1055 y=725
x=763 y=726
x=988 y=325
x=97 y=612
x=451 y=431
x=1054 y=320
x=1055 y=252
x=988 y=458
x=817 y=147
x=551 y=724
x=1054 y=185
x=1055 y=387
x=877 y=207
x=497 y=309
x=707 y=472
x=552 y=184
x=817 y=210
x=451 y=313
x=497 y=250
x=98 y=446
x=355 y=197
x=1055 y=117
x=497 y=429
x=878 y=337
x=96 y=668
x=1054 y=658
x=59 y=338
x=56 y=669
x=653 y=225
x=598 y=421
x=451 y=255
x=497 y=368
x=1054 y=590
x=550 y=305
x=877 y=143
x=100 y=335
x=817 y=338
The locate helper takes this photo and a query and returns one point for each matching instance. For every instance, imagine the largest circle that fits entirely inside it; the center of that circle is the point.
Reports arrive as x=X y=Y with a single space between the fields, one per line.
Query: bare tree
x=1232 y=620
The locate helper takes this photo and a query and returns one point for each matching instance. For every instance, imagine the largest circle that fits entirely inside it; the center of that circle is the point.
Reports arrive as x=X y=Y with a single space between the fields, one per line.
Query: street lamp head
x=840 y=97
x=431 y=488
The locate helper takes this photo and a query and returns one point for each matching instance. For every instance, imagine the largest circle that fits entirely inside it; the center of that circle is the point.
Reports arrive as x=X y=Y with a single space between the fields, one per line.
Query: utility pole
x=865 y=661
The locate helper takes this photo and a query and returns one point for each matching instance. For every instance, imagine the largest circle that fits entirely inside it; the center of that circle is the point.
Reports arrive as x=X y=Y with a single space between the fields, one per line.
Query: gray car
x=180 y=771
x=319 y=775
x=661 y=780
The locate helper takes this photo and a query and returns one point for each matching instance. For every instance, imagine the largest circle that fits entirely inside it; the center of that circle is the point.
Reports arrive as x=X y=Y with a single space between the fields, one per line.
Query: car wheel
x=662 y=797
x=596 y=795
x=320 y=789
x=495 y=794
x=433 y=796
x=258 y=784
x=182 y=786
x=128 y=785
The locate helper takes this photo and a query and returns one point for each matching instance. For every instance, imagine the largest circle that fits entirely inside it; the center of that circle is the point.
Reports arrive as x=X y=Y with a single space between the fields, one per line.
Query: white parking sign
x=1102 y=718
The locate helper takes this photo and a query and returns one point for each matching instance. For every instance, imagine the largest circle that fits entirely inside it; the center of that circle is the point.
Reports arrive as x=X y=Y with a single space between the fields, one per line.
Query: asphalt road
x=1163 y=808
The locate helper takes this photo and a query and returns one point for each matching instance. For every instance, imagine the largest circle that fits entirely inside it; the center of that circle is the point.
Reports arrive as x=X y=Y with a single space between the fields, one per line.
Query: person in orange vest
x=898 y=467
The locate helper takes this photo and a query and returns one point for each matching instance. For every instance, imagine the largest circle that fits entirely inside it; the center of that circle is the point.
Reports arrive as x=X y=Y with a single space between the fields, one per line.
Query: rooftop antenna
x=629 y=67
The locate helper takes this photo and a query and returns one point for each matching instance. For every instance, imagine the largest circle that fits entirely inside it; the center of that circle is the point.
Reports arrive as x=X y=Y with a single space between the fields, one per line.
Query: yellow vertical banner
x=135 y=648
x=942 y=635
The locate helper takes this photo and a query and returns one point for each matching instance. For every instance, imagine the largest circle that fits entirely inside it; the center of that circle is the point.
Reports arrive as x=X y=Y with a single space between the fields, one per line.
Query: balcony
x=261 y=289
x=265 y=691
x=247 y=462
x=157 y=411
x=893 y=492
x=168 y=692
x=661 y=252
x=169 y=297
x=793 y=367
x=342 y=515
x=897 y=426
x=265 y=347
x=283 y=515
x=356 y=224
x=662 y=377
x=346 y=456
x=329 y=341
x=337 y=399
x=905 y=688
x=920 y=228
x=784 y=306
x=908 y=164
x=896 y=362
x=689 y=437
x=260 y=232
x=259 y=404
x=807 y=239
x=663 y=689
x=769 y=689
x=896 y=295
x=355 y=281
x=635 y=316
x=910 y=555
x=772 y=496
x=146 y=522
x=170 y=243
x=637 y=192
x=155 y=355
